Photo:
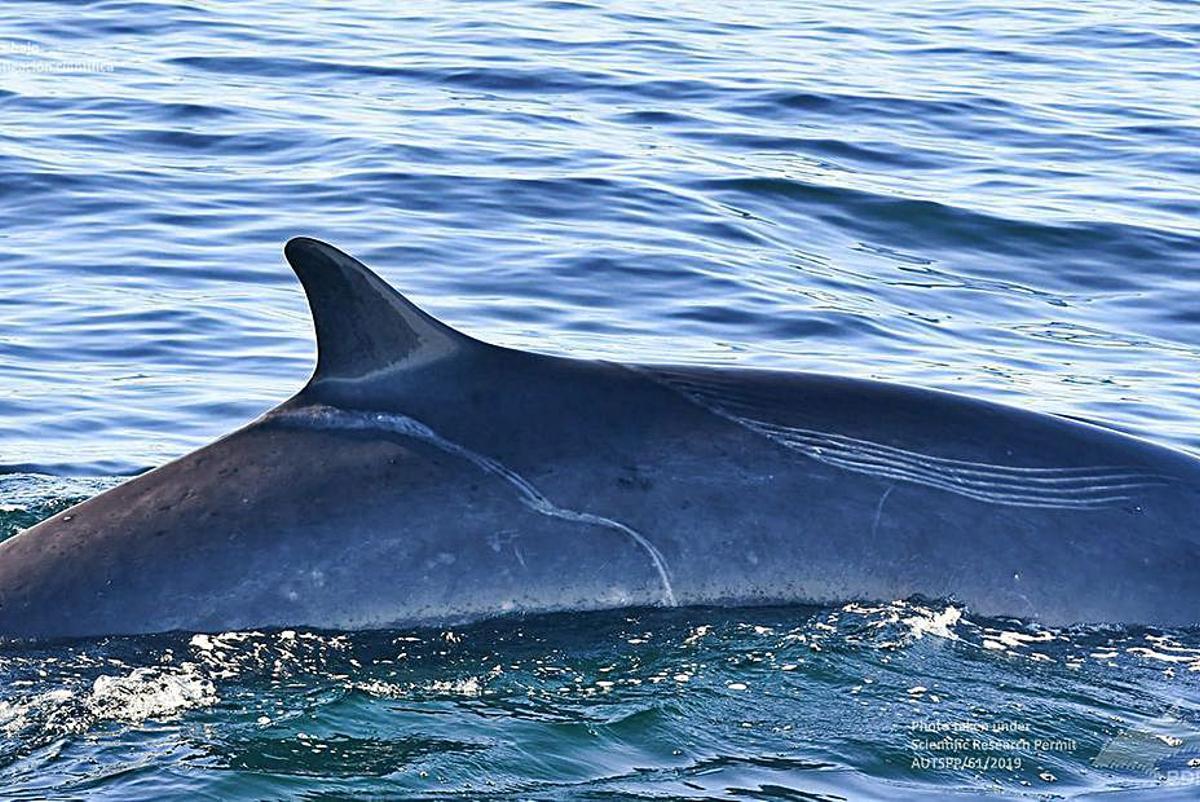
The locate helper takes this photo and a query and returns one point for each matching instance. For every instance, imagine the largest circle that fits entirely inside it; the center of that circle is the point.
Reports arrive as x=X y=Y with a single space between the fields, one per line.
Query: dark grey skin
x=423 y=477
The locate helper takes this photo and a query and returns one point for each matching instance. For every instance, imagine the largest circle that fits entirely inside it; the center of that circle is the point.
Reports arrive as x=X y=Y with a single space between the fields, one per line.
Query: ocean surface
x=996 y=198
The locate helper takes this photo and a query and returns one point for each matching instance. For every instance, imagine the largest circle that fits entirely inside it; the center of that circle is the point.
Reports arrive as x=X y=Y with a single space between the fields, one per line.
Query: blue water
x=1002 y=199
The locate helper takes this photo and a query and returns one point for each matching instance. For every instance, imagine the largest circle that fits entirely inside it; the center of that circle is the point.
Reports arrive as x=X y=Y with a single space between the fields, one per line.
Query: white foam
x=147 y=693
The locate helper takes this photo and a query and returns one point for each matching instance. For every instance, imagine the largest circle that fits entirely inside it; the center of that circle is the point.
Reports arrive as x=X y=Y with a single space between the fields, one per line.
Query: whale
x=422 y=477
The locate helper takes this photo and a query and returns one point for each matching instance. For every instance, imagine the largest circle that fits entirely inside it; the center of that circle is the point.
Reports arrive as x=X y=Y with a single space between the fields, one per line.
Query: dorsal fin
x=364 y=326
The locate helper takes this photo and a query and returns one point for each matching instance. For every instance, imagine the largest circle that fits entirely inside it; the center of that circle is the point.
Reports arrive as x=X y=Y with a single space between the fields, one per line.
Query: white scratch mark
x=327 y=417
x=1082 y=488
x=879 y=509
